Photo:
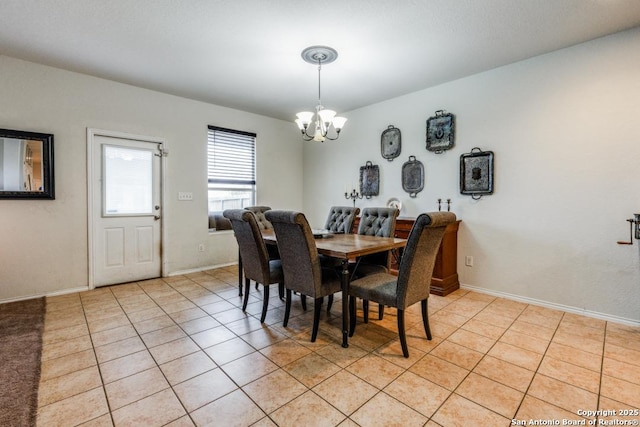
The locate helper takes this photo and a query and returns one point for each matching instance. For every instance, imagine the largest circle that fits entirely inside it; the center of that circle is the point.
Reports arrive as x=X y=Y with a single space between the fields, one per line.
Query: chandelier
x=321 y=121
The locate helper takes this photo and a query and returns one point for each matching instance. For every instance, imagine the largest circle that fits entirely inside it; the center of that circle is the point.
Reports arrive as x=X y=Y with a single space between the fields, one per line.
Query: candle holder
x=634 y=223
x=353 y=196
x=448 y=205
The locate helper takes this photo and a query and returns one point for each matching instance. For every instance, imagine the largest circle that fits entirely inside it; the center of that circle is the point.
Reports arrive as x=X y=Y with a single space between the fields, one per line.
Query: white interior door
x=125 y=208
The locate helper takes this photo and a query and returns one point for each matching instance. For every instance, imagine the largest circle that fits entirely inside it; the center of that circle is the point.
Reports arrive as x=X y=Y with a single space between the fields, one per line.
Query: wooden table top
x=348 y=245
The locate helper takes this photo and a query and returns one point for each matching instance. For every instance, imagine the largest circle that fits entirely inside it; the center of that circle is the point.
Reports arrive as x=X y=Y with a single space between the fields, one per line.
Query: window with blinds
x=231 y=171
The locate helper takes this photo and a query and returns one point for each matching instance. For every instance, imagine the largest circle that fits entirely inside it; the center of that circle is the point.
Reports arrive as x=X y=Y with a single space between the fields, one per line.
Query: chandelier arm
x=306 y=136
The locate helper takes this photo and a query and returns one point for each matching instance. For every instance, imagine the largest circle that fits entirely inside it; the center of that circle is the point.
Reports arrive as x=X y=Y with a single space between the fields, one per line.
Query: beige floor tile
x=188 y=314
x=342 y=357
x=263 y=338
x=147 y=315
x=249 y=368
x=184 y=421
x=154 y=324
x=102 y=324
x=621 y=391
x=185 y=367
x=472 y=340
x=418 y=393
x=284 y=352
x=505 y=373
x=52 y=368
x=518 y=356
x=389 y=411
x=594 y=334
x=113 y=335
x=118 y=349
x=578 y=342
x=375 y=370
x=622 y=354
x=62 y=334
x=116 y=369
x=533 y=330
x=203 y=389
x=307 y=410
x=135 y=387
x=621 y=370
x=439 y=371
x=228 y=351
x=392 y=352
x=569 y=373
x=484 y=329
x=74 y=383
x=162 y=336
x=449 y=317
x=525 y=341
x=154 y=410
x=561 y=394
x=312 y=369
x=198 y=325
x=245 y=325
x=345 y=391
x=233 y=409
x=173 y=350
x=74 y=410
x=490 y=394
x=494 y=317
x=67 y=347
x=574 y=356
x=460 y=412
x=102 y=421
x=457 y=354
x=618 y=411
x=274 y=390
x=536 y=409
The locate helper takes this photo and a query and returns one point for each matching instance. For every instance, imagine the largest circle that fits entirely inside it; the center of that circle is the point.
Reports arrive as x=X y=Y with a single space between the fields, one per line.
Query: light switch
x=185 y=195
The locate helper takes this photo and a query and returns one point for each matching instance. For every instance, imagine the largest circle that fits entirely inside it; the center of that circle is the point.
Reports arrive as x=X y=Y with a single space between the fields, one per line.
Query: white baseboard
x=196 y=270
x=554 y=306
x=50 y=294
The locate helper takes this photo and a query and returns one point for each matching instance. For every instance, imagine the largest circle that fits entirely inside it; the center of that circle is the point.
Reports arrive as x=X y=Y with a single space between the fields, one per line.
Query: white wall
x=43 y=244
x=565 y=131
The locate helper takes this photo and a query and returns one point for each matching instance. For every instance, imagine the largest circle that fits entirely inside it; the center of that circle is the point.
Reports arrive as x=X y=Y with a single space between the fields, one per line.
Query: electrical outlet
x=468 y=261
x=185 y=195
x=200 y=247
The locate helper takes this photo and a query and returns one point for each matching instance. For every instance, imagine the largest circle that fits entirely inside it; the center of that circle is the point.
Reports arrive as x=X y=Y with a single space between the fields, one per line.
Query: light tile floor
x=179 y=351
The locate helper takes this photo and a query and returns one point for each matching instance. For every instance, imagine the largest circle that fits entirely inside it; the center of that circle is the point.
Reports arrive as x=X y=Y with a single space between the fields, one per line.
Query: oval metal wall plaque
x=413 y=176
x=391 y=143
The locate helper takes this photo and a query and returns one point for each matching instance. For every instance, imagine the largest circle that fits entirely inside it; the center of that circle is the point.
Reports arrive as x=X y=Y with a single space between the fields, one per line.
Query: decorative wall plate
x=394 y=203
x=440 y=132
x=391 y=143
x=369 y=180
x=413 y=176
x=476 y=173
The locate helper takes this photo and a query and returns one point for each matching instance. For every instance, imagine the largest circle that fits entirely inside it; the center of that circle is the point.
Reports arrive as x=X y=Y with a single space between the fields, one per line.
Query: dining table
x=346 y=248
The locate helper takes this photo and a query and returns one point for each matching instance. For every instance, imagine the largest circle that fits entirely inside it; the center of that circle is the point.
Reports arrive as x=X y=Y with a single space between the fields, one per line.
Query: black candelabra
x=448 y=205
x=353 y=196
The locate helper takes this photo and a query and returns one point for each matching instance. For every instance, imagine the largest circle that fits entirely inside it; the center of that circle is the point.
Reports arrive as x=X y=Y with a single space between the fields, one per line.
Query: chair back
x=379 y=222
x=298 y=251
x=259 y=211
x=419 y=257
x=340 y=219
x=253 y=250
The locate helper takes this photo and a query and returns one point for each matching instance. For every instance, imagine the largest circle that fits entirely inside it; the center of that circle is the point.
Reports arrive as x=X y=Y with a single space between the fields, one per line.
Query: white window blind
x=231 y=156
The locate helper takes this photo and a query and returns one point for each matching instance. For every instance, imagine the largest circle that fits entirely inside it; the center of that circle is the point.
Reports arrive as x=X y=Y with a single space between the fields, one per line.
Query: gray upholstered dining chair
x=375 y=221
x=255 y=260
x=340 y=219
x=264 y=224
x=259 y=211
x=301 y=263
x=414 y=277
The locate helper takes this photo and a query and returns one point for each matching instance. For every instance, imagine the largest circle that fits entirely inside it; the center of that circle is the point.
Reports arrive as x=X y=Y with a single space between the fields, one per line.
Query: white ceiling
x=245 y=54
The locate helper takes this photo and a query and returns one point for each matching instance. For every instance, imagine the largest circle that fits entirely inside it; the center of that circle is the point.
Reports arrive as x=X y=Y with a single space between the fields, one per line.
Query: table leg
x=345 y=302
x=239 y=274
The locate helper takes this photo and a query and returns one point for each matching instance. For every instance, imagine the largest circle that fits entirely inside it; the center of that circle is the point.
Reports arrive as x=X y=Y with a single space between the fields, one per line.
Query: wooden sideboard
x=445 y=273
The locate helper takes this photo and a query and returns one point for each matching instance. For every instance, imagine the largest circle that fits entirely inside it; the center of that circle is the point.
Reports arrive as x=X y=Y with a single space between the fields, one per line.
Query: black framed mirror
x=26 y=165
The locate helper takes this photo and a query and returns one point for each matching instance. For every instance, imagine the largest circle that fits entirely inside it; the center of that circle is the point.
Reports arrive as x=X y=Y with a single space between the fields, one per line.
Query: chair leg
x=247 y=283
x=403 y=337
x=425 y=319
x=256 y=286
x=317 y=307
x=365 y=310
x=265 y=303
x=352 y=315
x=303 y=299
x=281 y=291
x=380 y=311
x=329 y=303
x=287 y=308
